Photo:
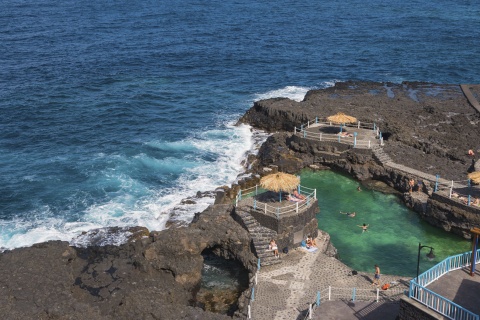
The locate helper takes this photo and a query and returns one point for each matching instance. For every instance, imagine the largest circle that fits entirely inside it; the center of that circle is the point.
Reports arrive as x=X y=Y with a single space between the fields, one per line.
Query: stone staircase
x=380 y=155
x=261 y=237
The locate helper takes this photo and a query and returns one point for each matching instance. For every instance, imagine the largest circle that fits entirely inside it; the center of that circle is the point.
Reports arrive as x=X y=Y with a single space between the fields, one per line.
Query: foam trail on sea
x=133 y=197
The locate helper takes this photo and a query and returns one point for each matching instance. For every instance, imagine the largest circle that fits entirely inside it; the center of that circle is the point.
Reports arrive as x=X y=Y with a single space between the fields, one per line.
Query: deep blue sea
x=112 y=112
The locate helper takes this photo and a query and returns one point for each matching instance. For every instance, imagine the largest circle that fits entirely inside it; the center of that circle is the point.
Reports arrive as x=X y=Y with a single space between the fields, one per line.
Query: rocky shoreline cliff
x=156 y=274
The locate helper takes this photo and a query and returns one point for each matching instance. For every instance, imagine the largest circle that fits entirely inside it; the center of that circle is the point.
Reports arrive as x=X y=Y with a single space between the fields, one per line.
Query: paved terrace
x=284 y=291
x=458 y=286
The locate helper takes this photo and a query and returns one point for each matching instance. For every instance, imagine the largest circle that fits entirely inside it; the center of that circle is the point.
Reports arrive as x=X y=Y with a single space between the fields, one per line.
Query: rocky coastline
x=155 y=275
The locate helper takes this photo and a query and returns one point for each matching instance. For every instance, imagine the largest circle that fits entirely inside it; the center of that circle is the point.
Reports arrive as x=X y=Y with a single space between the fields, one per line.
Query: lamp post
x=430 y=257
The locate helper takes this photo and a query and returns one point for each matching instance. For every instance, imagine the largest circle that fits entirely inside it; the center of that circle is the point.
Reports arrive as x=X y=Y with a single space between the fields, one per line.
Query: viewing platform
x=267 y=216
x=357 y=135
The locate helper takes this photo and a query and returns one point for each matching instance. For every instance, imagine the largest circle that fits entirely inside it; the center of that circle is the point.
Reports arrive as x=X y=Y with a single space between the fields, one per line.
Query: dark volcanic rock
x=150 y=278
x=425 y=126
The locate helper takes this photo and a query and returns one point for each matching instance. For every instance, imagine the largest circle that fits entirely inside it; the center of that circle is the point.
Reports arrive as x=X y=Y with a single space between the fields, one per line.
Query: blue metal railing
x=435 y=301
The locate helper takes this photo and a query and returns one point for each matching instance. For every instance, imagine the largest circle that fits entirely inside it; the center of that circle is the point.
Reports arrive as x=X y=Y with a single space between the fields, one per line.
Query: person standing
x=376 y=277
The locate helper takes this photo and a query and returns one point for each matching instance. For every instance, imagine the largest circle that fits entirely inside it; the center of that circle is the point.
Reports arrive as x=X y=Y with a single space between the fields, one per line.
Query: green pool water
x=394 y=232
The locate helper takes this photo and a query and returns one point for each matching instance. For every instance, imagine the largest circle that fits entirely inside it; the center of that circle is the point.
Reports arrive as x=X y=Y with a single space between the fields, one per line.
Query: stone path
x=284 y=291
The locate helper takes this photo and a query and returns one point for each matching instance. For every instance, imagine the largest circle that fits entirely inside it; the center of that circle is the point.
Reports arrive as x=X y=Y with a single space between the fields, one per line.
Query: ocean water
x=112 y=113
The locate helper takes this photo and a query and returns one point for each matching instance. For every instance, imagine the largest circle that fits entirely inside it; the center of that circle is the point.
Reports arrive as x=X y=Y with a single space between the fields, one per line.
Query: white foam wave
x=291 y=92
x=217 y=156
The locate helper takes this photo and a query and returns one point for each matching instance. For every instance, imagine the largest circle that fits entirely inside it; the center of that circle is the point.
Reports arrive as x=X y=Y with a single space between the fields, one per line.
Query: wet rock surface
x=153 y=277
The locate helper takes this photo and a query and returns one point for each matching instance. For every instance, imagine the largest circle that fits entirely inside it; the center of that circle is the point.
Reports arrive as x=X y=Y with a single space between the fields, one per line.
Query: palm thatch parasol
x=474 y=176
x=341 y=117
x=279 y=182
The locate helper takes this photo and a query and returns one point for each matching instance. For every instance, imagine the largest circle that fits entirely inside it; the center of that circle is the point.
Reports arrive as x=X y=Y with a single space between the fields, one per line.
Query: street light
x=430 y=257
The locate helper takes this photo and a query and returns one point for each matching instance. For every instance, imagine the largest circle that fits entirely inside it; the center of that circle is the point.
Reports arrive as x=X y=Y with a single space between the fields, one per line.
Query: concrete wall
x=413 y=310
x=291 y=228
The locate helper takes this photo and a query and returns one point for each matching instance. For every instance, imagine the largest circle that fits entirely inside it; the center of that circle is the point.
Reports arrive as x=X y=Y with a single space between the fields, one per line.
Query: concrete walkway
x=284 y=291
x=467 y=91
x=458 y=286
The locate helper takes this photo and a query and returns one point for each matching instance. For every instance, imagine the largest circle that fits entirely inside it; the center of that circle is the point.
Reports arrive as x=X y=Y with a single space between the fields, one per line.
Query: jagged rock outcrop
x=426 y=126
x=151 y=278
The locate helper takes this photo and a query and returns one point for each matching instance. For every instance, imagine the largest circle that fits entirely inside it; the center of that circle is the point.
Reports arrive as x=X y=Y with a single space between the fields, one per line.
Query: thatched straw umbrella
x=341 y=118
x=474 y=176
x=279 y=182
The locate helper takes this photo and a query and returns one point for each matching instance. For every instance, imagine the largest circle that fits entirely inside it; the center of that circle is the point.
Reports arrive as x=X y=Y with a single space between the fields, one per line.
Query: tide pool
x=393 y=234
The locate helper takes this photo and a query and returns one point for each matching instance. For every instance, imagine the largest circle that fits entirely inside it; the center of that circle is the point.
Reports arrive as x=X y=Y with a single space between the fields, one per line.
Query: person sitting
x=298 y=195
x=273 y=247
x=311 y=242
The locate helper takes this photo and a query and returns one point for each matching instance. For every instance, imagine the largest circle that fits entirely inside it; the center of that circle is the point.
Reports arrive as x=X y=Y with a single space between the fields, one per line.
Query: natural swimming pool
x=394 y=230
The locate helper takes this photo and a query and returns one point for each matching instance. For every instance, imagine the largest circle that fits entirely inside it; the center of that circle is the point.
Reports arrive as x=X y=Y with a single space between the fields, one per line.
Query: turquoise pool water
x=393 y=234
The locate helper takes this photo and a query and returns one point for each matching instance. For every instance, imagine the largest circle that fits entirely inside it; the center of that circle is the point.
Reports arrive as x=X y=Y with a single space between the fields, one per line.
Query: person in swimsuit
x=364 y=227
x=273 y=247
x=298 y=195
x=349 y=214
x=311 y=242
x=376 y=277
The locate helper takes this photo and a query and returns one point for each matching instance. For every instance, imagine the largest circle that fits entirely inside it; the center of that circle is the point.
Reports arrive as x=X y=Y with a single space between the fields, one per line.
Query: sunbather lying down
x=298 y=195
x=345 y=134
x=292 y=198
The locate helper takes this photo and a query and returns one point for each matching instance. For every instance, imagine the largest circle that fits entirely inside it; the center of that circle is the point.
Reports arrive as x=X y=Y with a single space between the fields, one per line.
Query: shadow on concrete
x=330 y=129
x=348 y=310
x=468 y=295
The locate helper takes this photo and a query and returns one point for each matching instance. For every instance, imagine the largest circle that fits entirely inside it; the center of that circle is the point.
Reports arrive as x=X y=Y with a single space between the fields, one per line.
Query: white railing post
x=358 y=125
x=368 y=144
x=310 y=311
x=378 y=293
x=265 y=208
x=315 y=194
x=320 y=136
x=451 y=190
x=329 y=293
x=296 y=209
x=256 y=277
x=308 y=124
x=249 y=313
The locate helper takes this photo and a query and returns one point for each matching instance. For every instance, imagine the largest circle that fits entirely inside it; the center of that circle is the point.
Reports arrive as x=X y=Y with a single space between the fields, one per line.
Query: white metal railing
x=297 y=206
x=354 y=294
x=419 y=292
x=456 y=191
x=252 y=293
x=350 y=139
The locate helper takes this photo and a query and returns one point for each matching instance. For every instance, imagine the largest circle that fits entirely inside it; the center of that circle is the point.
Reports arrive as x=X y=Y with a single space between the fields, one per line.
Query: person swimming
x=364 y=227
x=349 y=214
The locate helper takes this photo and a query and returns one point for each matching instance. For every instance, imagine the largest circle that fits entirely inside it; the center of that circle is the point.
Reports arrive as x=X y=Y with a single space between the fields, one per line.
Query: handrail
x=350 y=140
x=353 y=294
x=433 y=300
x=252 y=293
x=440 y=304
x=309 y=193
